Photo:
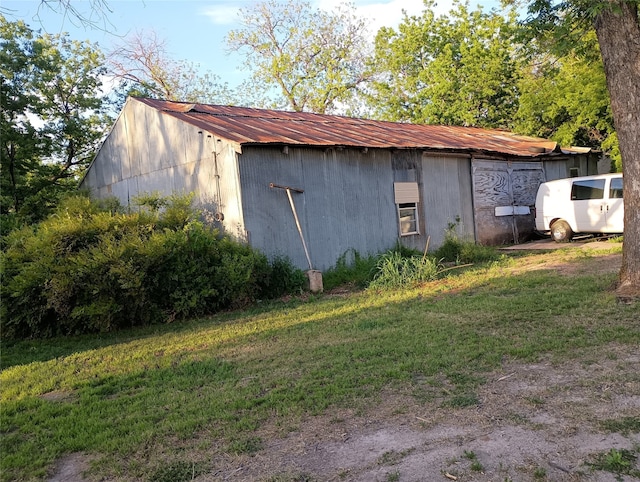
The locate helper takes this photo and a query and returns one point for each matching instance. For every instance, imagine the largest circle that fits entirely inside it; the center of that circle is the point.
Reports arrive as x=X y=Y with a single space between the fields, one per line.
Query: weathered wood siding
x=499 y=186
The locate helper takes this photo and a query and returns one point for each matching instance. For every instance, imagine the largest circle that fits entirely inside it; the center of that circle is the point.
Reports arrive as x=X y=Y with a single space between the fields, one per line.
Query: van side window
x=587 y=189
x=615 y=188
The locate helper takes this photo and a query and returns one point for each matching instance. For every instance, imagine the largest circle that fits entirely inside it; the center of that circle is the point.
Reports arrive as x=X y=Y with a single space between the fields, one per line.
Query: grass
x=393 y=457
x=539 y=473
x=620 y=462
x=476 y=466
x=624 y=425
x=351 y=268
x=139 y=401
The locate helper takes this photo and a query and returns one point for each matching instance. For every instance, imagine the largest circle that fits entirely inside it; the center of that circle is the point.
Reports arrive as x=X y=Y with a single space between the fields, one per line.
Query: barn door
x=503 y=194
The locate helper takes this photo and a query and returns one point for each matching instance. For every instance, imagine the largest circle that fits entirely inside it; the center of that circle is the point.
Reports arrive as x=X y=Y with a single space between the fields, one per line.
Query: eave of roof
x=249 y=126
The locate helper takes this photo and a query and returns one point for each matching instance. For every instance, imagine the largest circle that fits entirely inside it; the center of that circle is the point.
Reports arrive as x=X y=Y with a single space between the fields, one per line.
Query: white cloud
x=388 y=14
x=223 y=14
x=380 y=13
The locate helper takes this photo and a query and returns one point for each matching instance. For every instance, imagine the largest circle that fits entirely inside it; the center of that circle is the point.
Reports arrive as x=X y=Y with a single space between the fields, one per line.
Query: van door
x=589 y=205
x=614 y=210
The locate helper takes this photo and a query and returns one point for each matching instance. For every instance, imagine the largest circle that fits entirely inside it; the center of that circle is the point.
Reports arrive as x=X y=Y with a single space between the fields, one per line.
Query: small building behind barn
x=316 y=187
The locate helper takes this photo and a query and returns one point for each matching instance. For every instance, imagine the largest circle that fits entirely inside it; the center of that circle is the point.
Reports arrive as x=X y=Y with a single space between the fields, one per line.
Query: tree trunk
x=618 y=30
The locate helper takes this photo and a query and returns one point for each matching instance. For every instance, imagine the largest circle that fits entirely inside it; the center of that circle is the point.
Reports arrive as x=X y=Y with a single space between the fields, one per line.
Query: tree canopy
x=617 y=27
x=53 y=115
x=489 y=70
x=143 y=63
x=457 y=69
x=565 y=98
x=310 y=59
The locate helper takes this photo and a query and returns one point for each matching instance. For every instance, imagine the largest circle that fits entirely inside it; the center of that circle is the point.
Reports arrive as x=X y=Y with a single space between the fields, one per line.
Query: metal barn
x=316 y=187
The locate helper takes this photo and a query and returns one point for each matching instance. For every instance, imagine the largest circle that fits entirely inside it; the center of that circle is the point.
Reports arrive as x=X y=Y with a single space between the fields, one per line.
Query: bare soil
x=535 y=422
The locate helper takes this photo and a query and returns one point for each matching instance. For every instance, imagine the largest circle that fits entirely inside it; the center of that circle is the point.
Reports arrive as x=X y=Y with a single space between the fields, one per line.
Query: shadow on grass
x=24 y=352
x=228 y=374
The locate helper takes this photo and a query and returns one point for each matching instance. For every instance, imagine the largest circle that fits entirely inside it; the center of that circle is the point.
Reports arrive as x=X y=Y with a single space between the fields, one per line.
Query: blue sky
x=194 y=30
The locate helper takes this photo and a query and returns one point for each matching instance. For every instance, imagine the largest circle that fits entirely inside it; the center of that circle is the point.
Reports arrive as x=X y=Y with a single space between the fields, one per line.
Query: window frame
x=407 y=199
x=588 y=189
x=616 y=186
x=402 y=222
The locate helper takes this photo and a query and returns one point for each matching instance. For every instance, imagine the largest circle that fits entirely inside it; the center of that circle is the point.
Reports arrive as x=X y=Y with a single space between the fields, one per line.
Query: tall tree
x=314 y=59
x=565 y=98
x=144 y=63
x=52 y=117
x=455 y=69
x=617 y=26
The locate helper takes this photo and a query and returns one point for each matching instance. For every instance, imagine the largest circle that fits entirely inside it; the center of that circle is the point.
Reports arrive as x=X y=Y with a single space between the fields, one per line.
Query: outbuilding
x=316 y=187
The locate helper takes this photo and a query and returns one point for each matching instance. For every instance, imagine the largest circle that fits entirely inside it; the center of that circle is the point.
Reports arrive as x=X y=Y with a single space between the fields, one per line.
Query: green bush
x=455 y=250
x=284 y=278
x=91 y=267
x=395 y=270
x=358 y=270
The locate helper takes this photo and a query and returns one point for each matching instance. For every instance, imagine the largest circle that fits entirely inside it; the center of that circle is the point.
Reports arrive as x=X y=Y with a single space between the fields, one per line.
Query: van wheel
x=561 y=231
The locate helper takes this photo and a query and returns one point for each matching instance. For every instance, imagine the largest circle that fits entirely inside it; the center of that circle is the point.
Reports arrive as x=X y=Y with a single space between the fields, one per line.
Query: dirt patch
x=534 y=422
x=571 y=265
x=539 y=421
x=71 y=468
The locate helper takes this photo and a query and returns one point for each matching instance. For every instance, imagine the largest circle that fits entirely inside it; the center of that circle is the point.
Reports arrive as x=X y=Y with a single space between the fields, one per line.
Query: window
x=587 y=189
x=574 y=172
x=615 y=188
x=408 y=214
x=407 y=197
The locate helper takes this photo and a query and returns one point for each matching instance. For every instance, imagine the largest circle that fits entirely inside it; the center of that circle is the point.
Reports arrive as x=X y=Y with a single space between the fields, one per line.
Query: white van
x=589 y=204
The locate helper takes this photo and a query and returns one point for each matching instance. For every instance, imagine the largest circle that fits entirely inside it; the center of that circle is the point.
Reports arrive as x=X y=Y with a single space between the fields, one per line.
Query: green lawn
x=124 y=396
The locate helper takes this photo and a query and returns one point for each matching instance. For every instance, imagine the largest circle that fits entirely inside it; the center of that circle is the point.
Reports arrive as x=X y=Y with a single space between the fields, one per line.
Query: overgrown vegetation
x=351 y=269
x=404 y=267
x=394 y=270
x=460 y=251
x=92 y=268
x=138 y=400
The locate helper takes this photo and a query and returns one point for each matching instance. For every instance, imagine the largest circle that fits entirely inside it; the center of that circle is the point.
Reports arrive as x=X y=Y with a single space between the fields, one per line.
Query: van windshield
x=587 y=189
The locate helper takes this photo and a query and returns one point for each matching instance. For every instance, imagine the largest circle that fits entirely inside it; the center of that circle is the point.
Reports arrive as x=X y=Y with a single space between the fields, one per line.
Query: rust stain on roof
x=249 y=126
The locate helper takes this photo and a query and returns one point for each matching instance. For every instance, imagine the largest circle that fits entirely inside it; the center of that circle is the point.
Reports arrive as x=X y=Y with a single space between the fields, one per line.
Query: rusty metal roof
x=249 y=126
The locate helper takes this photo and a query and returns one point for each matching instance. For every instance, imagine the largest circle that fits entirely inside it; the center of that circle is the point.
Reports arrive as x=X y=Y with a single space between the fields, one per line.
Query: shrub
x=91 y=268
x=456 y=250
x=395 y=270
x=283 y=278
x=358 y=270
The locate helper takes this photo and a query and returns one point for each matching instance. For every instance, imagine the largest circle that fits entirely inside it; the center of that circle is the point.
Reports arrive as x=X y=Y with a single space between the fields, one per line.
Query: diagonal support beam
x=295 y=216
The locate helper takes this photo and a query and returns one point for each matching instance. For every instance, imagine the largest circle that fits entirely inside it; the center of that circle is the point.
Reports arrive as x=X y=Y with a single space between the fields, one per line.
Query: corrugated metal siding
x=407 y=167
x=587 y=164
x=447 y=197
x=347 y=202
x=147 y=151
x=555 y=170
